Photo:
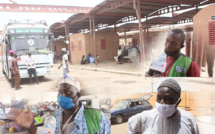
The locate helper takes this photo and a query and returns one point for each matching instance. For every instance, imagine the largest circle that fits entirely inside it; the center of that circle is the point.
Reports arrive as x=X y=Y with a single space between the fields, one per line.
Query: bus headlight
x=11 y=31
x=48 y=67
x=46 y=31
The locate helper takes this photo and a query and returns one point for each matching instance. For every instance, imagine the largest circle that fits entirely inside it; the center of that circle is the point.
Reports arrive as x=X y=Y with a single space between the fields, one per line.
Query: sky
x=50 y=18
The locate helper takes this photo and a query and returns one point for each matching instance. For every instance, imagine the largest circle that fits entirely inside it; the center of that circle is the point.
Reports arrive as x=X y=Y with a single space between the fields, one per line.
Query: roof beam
x=117 y=14
x=42 y=8
x=78 y=18
x=171 y=2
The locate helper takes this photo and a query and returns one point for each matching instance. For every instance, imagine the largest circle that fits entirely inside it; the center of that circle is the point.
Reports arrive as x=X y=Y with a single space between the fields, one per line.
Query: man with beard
x=166 y=118
x=72 y=118
x=178 y=65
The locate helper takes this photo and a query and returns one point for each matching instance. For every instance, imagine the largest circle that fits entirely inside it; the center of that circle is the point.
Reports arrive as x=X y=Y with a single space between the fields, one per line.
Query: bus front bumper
x=40 y=72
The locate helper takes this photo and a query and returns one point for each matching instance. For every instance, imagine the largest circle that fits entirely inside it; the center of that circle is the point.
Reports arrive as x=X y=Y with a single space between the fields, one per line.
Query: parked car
x=124 y=109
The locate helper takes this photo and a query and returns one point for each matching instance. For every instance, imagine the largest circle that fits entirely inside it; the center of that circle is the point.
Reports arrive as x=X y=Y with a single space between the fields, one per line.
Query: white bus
x=24 y=37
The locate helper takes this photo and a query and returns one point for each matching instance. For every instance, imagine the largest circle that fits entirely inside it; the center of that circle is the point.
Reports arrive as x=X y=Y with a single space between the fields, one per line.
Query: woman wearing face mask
x=166 y=118
x=72 y=118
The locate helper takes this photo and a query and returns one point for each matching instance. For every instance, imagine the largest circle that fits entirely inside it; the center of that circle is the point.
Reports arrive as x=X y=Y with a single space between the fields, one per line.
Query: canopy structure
x=115 y=12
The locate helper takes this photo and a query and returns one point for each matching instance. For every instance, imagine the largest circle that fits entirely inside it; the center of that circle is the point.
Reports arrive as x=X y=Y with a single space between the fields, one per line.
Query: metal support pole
x=138 y=12
x=125 y=37
x=94 y=39
x=115 y=27
x=90 y=19
x=68 y=38
x=66 y=34
x=172 y=17
x=147 y=30
x=197 y=8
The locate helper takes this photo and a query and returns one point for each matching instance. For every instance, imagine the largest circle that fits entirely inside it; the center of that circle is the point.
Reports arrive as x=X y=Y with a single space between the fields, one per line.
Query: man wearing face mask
x=178 y=65
x=72 y=118
x=166 y=118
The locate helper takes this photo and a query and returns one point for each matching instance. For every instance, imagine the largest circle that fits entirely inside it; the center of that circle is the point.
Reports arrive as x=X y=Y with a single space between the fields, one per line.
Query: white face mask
x=165 y=110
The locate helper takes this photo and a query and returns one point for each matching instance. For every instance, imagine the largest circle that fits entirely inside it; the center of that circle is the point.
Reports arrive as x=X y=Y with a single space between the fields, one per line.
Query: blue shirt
x=81 y=125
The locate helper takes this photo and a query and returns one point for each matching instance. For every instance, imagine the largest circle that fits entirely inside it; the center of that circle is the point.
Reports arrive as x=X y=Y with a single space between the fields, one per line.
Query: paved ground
x=102 y=81
x=133 y=68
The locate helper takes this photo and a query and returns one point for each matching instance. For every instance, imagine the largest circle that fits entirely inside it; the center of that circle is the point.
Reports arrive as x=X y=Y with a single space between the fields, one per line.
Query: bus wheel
x=41 y=77
x=3 y=71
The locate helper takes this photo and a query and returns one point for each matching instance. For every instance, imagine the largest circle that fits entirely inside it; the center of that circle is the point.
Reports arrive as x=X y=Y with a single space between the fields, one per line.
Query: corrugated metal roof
x=112 y=12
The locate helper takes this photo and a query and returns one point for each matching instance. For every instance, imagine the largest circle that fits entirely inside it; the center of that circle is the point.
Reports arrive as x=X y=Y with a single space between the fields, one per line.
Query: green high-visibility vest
x=180 y=67
x=93 y=118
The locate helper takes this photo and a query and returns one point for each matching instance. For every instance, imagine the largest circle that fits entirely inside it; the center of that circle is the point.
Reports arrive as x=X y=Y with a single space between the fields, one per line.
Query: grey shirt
x=182 y=123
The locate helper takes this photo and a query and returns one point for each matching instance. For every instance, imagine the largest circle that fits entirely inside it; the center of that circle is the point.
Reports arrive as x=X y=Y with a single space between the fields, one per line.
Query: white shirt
x=64 y=59
x=30 y=62
x=10 y=61
x=119 y=52
x=182 y=123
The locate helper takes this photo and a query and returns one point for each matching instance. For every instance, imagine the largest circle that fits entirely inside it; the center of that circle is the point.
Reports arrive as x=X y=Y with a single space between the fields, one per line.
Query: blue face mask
x=65 y=102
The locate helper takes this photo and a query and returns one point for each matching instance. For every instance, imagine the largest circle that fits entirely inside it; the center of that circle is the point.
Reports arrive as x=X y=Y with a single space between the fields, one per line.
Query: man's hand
x=157 y=75
x=21 y=118
x=67 y=70
x=58 y=67
x=147 y=74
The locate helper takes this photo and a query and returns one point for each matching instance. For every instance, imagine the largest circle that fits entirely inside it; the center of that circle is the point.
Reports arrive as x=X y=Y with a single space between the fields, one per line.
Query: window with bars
x=212 y=33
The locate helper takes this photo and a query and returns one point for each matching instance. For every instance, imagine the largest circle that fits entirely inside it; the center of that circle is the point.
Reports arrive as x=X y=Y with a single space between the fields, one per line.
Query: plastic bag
x=50 y=122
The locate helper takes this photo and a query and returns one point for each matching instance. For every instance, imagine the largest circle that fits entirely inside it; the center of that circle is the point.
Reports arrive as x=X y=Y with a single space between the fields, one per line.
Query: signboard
x=213 y=17
x=36 y=36
x=158 y=66
x=27 y=30
x=22 y=30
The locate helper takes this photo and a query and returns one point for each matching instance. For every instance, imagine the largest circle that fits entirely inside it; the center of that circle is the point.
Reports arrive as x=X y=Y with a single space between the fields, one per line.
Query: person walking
x=30 y=63
x=65 y=64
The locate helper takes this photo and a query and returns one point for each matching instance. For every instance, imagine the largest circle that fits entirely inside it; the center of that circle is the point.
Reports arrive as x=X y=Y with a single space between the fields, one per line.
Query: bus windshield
x=30 y=43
